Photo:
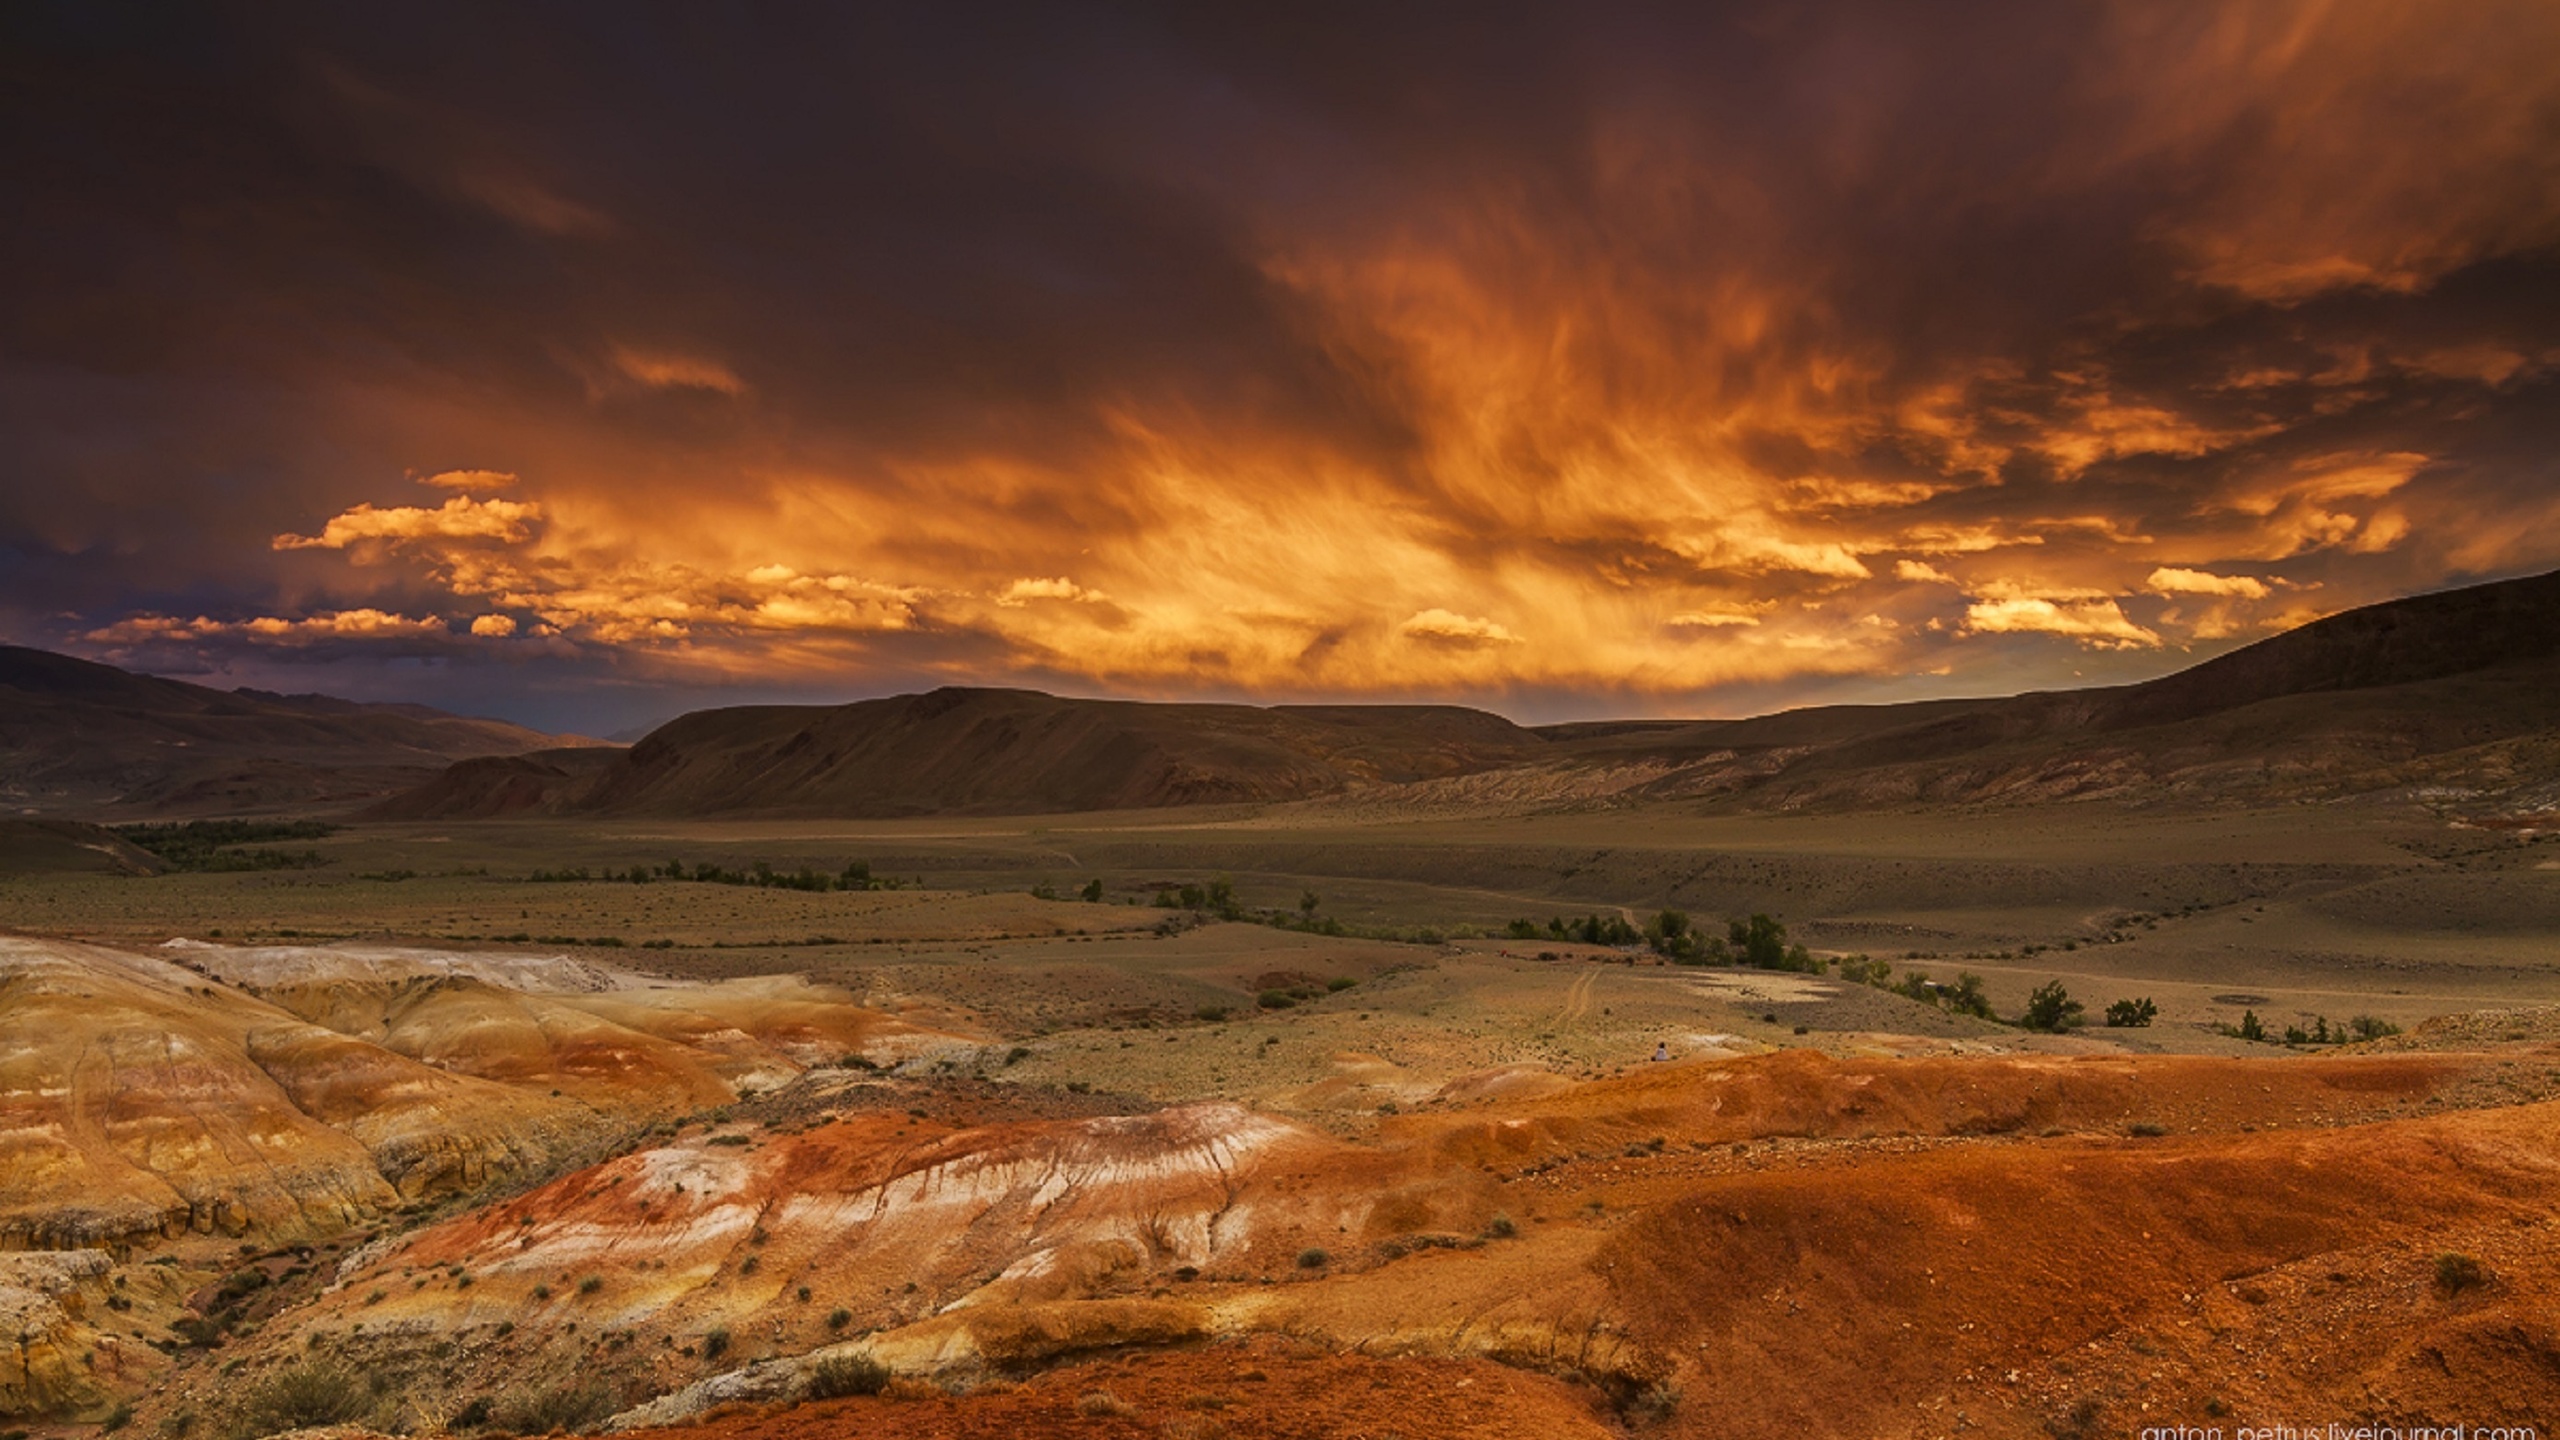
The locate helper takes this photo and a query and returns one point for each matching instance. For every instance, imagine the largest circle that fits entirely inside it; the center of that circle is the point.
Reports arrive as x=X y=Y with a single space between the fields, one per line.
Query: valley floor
x=435 y=1136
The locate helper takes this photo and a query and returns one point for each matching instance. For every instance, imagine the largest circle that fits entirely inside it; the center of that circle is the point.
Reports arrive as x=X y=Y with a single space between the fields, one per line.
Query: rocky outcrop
x=54 y=1359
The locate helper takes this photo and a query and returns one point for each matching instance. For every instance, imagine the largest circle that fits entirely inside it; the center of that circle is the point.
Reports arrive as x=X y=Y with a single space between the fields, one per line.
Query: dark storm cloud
x=1628 y=358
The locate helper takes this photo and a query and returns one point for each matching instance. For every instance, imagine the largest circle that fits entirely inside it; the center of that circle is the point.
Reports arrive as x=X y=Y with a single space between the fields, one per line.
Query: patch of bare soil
x=1259 y=1388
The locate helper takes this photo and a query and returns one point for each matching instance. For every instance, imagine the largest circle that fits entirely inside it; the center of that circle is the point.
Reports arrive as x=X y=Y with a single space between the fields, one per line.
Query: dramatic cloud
x=460 y=518
x=1572 y=362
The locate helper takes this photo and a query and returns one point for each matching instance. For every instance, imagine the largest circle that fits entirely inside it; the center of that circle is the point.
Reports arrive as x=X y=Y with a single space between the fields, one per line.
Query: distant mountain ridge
x=2432 y=689
x=989 y=751
x=77 y=737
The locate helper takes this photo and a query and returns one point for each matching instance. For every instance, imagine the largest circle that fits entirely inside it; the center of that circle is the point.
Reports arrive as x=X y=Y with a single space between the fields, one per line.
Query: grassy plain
x=2295 y=913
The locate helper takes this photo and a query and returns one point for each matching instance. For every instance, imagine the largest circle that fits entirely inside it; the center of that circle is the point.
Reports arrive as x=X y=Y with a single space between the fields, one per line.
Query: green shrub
x=839 y=1318
x=715 y=1344
x=2456 y=1272
x=2367 y=1027
x=838 y=1376
x=591 y=1285
x=301 y=1396
x=2051 y=1008
x=1967 y=997
x=2131 y=1014
x=1313 y=1258
x=1862 y=969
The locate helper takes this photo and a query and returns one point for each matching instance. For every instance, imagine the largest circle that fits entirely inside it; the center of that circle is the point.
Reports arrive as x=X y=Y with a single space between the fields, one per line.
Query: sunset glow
x=1681 y=368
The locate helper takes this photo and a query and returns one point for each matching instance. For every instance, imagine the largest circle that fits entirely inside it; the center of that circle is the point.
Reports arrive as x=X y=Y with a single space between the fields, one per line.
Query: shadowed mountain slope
x=78 y=736
x=992 y=751
x=2455 y=689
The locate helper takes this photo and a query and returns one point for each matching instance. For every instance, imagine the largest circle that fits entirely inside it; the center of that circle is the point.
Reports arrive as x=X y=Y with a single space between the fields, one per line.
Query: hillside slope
x=2451 y=691
x=991 y=751
x=76 y=736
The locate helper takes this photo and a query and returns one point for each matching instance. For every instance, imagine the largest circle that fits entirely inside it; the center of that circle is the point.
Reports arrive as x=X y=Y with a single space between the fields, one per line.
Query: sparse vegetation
x=2131 y=1014
x=573 y=1407
x=2457 y=1272
x=1099 y=1403
x=840 y=1376
x=301 y=1396
x=2051 y=1008
x=762 y=875
x=223 y=845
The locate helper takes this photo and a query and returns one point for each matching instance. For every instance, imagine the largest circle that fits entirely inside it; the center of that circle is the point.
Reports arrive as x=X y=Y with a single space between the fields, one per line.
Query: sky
x=588 y=364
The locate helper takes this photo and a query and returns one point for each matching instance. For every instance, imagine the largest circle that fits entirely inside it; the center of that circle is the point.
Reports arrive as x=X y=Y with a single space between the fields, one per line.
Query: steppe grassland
x=2301 y=912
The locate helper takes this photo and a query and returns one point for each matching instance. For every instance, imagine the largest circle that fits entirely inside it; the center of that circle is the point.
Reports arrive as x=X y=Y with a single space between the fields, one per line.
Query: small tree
x=1308 y=900
x=2132 y=1014
x=2251 y=1027
x=2051 y=1008
x=1967 y=997
x=1760 y=940
x=1091 y=894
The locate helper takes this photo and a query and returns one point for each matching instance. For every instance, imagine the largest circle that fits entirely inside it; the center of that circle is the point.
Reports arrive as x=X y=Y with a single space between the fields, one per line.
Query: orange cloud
x=2093 y=622
x=662 y=370
x=360 y=624
x=2172 y=580
x=468 y=480
x=460 y=518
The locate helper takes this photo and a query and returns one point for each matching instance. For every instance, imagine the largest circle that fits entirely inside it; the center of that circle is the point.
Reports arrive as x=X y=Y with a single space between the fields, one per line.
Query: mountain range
x=2453 y=691
x=2456 y=692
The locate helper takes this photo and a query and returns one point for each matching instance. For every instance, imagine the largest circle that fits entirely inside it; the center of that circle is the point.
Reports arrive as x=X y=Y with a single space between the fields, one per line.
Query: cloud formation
x=1579 y=363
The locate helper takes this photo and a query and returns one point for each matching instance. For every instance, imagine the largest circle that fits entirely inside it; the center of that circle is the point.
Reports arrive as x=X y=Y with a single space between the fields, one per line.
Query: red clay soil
x=1265 y=1389
x=2272 y=1275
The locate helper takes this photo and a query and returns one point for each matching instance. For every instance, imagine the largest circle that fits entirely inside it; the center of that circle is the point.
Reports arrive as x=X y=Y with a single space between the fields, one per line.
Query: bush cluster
x=838 y=1376
x=222 y=845
x=856 y=875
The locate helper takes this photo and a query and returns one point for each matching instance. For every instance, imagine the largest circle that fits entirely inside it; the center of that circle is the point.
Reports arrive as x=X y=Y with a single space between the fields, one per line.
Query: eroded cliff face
x=286 y=1094
x=57 y=1356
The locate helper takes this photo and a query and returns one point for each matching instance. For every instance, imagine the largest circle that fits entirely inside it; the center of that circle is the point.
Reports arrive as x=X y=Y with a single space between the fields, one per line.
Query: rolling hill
x=987 y=751
x=78 y=737
x=2459 y=689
